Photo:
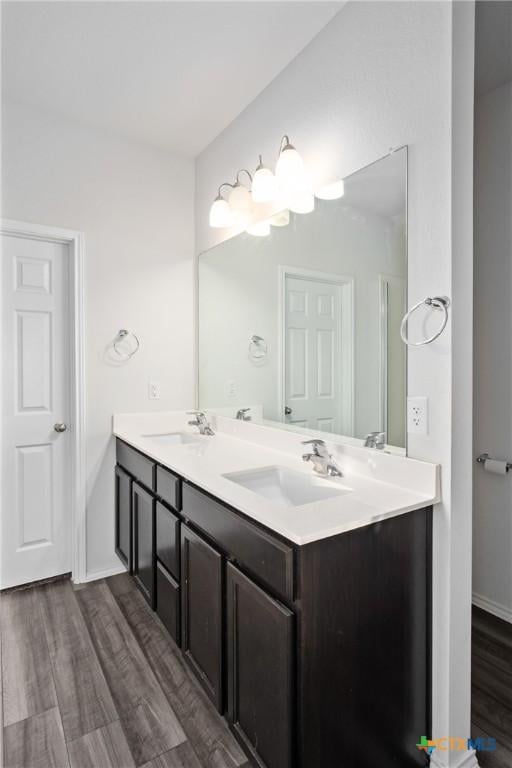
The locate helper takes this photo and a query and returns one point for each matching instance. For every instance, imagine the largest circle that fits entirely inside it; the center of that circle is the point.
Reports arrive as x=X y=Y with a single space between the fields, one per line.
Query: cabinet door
x=201 y=612
x=168 y=539
x=260 y=670
x=124 y=526
x=143 y=506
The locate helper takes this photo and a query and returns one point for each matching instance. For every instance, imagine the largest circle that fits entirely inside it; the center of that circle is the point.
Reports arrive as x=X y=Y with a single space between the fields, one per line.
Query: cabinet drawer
x=168 y=602
x=138 y=465
x=168 y=539
x=168 y=487
x=267 y=558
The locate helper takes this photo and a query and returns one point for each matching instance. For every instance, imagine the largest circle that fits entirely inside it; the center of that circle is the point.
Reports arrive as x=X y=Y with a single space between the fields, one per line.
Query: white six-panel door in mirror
x=314 y=341
x=36 y=398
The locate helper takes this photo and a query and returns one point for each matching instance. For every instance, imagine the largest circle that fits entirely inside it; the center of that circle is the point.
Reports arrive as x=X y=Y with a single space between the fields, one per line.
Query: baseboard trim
x=95 y=575
x=466 y=760
x=501 y=611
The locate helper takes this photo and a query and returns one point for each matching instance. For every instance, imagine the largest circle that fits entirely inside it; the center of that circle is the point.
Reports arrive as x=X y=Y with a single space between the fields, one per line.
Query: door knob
x=288 y=411
x=60 y=427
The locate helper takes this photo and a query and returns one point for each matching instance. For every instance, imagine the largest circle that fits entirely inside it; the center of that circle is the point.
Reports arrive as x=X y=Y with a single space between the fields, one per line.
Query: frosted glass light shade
x=240 y=204
x=289 y=166
x=301 y=201
x=264 y=186
x=220 y=213
x=259 y=229
x=332 y=191
x=281 y=219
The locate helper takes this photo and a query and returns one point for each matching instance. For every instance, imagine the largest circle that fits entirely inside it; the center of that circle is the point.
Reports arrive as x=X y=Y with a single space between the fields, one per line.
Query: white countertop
x=381 y=485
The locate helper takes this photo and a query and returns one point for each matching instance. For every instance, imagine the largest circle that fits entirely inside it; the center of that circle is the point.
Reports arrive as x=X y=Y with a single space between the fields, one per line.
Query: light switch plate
x=154 y=390
x=417 y=415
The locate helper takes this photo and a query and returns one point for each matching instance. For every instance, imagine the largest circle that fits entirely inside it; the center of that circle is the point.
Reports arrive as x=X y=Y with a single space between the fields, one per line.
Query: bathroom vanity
x=307 y=624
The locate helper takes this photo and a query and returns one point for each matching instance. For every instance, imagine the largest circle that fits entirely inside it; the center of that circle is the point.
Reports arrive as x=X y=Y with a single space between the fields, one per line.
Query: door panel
x=124 y=518
x=313 y=375
x=201 y=615
x=36 y=464
x=143 y=510
x=260 y=670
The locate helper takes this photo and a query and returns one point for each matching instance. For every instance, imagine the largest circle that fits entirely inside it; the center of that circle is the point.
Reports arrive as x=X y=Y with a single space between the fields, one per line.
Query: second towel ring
x=437 y=302
x=125 y=354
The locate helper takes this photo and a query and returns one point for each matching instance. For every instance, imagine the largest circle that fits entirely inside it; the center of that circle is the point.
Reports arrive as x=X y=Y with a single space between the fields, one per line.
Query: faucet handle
x=318 y=446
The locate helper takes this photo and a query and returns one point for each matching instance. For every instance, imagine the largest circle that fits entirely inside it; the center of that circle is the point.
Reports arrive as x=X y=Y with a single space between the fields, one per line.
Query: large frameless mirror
x=303 y=326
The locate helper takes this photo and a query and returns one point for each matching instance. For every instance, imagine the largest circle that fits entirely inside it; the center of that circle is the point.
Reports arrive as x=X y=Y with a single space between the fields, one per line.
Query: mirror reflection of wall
x=303 y=325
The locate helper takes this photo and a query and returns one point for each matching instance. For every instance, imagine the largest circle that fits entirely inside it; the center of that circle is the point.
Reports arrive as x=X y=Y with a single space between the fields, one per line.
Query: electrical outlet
x=230 y=388
x=417 y=415
x=154 y=390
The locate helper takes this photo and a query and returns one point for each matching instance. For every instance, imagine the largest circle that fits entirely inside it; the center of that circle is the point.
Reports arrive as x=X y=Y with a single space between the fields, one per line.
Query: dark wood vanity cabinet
x=318 y=655
x=260 y=670
x=202 y=612
x=123 y=520
x=143 y=508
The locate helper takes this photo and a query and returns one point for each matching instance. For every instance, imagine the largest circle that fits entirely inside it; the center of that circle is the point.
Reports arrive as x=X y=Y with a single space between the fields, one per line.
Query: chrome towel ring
x=437 y=302
x=127 y=352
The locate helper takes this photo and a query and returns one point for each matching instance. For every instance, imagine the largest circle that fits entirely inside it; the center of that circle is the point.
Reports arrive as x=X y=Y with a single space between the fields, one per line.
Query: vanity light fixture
x=290 y=185
x=281 y=219
x=293 y=182
x=240 y=200
x=220 y=211
x=331 y=191
x=289 y=167
x=259 y=228
x=264 y=184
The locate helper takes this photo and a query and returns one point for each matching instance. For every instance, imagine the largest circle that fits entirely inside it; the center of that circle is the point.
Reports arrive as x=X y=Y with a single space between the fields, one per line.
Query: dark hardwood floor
x=90 y=679
x=491 y=672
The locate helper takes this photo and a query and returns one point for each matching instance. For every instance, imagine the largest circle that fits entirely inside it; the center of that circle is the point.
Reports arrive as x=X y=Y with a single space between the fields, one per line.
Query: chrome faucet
x=375 y=440
x=323 y=462
x=201 y=422
x=243 y=414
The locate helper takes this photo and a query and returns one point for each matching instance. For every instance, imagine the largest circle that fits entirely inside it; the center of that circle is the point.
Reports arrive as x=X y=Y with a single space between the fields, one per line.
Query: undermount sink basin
x=175 y=438
x=287 y=486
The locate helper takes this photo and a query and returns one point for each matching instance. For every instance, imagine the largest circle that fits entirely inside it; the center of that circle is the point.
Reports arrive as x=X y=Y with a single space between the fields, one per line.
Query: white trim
x=466 y=759
x=75 y=241
x=383 y=352
x=95 y=575
x=347 y=337
x=497 y=609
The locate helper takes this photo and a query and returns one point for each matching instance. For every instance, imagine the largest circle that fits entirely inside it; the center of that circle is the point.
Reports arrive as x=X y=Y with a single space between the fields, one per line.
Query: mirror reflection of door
x=313 y=352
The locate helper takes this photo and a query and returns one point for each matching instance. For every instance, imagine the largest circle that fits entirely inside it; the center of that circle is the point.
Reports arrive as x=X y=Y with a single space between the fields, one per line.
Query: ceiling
x=170 y=74
x=493 y=55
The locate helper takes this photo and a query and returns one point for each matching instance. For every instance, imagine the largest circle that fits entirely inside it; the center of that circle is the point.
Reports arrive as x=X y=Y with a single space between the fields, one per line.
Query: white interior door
x=313 y=354
x=36 y=516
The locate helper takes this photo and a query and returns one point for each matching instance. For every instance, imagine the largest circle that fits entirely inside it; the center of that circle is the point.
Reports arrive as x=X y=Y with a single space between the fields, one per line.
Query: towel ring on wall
x=437 y=302
x=257 y=348
x=125 y=354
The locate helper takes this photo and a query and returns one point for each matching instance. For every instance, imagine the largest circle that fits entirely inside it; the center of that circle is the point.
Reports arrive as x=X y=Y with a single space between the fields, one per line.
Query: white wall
x=135 y=206
x=492 y=518
x=381 y=75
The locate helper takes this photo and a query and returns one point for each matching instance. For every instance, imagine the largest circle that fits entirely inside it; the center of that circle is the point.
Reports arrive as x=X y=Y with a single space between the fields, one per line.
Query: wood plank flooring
x=491 y=712
x=90 y=679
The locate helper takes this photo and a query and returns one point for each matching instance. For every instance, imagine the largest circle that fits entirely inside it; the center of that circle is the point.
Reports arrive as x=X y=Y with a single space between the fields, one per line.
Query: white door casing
x=42 y=385
x=317 y=350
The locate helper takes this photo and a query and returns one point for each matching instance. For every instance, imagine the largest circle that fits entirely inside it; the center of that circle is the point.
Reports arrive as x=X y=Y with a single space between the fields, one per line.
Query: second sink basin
x=175 y=438
x=287 y=486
